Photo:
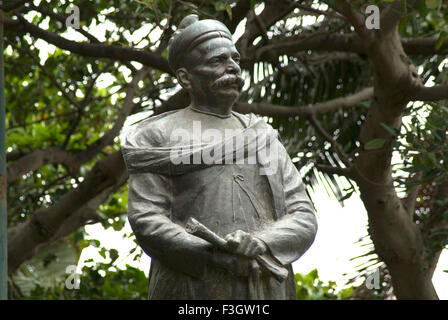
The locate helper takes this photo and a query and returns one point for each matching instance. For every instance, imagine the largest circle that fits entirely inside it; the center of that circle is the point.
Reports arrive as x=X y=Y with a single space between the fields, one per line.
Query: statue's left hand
x=243 y=243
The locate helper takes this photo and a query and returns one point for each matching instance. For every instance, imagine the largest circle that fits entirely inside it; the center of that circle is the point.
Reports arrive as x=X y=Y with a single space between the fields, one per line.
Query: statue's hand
x=237 y=265
x=244 y=247
x=245 y=244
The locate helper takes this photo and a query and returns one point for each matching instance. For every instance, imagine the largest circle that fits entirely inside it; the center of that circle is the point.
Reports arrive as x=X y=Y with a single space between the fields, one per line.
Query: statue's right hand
x=235 y=264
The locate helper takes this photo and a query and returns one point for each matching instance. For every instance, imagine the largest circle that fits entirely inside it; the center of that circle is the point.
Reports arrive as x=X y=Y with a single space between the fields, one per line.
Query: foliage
x=310 y=287
x=44 y=270
x=51 y=274
x=98 y=284
x=103 y=283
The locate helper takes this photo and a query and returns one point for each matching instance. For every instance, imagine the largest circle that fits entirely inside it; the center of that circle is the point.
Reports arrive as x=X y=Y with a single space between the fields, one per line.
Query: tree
x=346 y=97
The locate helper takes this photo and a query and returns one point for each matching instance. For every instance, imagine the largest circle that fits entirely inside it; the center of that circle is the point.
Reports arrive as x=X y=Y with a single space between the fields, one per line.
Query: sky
x=339 y=229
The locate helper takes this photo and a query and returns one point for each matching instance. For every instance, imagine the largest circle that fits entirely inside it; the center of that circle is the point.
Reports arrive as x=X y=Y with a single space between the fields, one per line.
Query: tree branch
x=84 y=215
x=294 y=44
x=323 y=58
x=38 y=158
x=404 y=251
x=308 y=9
x=85 y=101
x=344 y=158
x=71 y=98
x=98 y=50
x=393 y=13
x=262 y=27
x=276 y=47
x=267 y=109
x=391 y=16
x=62 y=19
x=14 y=155
x=23 y=239
x=125 y=110
x=72 y=162
x=181 y=100
x=355 y=18
x=434 y=93
x=279 y=46
x=239 y=12
x=11 y=5
x=423 y=46
x=346 y=172
x=273 y=11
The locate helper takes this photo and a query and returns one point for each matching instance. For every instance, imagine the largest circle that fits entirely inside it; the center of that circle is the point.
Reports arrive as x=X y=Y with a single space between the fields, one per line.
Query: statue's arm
x=289 y=237
x=149 y=209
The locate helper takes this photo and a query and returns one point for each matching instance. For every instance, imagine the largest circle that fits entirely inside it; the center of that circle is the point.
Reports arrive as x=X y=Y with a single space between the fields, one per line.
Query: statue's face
x=214 y=71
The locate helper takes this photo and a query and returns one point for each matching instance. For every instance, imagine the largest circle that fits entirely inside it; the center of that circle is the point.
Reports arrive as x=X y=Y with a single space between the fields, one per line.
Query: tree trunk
x=398 y=242
x=397 y=239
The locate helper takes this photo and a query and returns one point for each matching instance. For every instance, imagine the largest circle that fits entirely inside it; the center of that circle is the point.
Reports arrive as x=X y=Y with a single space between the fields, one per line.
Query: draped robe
x=265 y=198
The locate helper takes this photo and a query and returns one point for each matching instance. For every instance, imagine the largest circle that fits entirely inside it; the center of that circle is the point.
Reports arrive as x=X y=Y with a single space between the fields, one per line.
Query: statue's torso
x=225 y=198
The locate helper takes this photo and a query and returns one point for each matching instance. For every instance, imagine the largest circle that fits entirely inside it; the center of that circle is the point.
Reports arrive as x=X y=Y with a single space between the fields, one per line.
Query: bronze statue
x=214 y=198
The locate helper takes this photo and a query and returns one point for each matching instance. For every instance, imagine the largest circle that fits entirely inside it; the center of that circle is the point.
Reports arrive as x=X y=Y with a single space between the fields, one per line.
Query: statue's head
x=205 y=60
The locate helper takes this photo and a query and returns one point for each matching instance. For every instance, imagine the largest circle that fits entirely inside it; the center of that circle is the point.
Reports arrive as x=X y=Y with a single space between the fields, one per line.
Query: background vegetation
x=357 y=107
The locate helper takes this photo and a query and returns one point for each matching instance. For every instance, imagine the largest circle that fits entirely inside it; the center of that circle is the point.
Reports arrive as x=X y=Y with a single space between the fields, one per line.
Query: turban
x=191 y=33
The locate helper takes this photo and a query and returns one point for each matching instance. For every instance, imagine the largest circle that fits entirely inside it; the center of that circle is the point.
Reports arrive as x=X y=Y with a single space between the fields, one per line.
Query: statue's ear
x=183 y=77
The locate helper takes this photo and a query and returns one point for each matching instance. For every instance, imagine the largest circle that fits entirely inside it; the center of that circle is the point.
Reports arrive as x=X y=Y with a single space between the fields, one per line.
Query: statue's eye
x=215 y=60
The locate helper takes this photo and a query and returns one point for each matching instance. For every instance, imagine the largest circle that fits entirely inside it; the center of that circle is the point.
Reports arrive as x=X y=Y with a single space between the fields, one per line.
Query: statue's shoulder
x=154 y=131
x=248 y=119
x=251 y=119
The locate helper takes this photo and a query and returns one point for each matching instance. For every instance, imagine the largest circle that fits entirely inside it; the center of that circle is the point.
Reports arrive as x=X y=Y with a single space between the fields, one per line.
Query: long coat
x=273 y=207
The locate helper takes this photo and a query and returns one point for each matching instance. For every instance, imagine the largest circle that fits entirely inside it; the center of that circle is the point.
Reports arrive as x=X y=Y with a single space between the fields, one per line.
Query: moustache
x=228 y=80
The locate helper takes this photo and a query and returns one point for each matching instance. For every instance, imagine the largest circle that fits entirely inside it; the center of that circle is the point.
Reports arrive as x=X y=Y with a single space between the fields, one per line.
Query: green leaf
x=403 y=24
x=375 y=144
x=113 y=255
x=440 y=40
x=393 y=131
x=229 y=11
x=102 y=253
x=347 y=146
x=224 y=6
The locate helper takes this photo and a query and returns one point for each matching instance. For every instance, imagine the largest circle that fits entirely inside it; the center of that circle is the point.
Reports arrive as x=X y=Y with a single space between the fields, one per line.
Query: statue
x=214 y=198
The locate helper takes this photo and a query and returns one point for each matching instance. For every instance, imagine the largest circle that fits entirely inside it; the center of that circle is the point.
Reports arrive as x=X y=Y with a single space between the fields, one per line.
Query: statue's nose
x=233 y=67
